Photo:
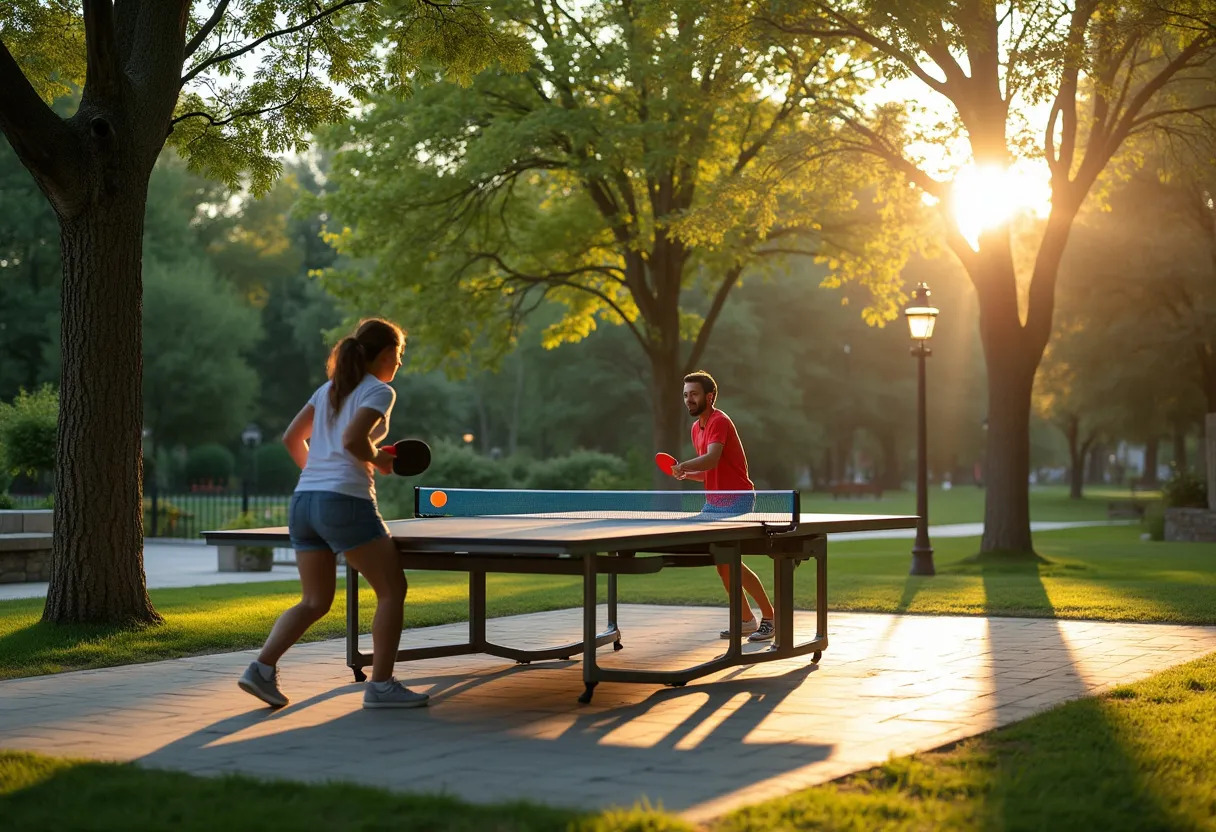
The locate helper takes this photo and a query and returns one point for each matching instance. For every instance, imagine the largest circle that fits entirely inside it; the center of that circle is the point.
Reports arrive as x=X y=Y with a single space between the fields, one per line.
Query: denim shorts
x=333 y=521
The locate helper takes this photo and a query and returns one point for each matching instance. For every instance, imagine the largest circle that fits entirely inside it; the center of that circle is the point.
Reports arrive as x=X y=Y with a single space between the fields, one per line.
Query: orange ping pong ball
x=439 y=499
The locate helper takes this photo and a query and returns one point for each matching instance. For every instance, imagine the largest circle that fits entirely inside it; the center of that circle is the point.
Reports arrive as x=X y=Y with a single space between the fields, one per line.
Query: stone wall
x=25 y=545
x=1190 y=525
x=31 y=565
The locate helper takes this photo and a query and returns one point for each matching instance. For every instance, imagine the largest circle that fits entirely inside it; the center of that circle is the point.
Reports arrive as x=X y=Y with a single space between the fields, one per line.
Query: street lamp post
x=251 y=437
x=921 y=317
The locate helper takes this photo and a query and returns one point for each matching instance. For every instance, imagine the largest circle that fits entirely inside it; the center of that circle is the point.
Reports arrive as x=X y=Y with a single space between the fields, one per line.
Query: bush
x=6 y=501
x=28 y=429
x=210 y=463
x=276 y=471
x=168 y=515
x=1184 y=490
x=578 y=471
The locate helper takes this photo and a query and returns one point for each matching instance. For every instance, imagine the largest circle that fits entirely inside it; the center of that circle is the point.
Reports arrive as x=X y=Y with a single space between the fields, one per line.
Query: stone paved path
x=886 y=685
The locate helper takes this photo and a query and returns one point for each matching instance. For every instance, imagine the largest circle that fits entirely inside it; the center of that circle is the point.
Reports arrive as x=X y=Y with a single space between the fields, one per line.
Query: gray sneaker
x=749 y=627
x=397 y=696
x=764 y=632
x=252 y=681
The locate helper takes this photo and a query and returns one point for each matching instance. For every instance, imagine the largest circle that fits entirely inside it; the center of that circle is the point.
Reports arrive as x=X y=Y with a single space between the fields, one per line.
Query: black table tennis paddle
x=410 y=456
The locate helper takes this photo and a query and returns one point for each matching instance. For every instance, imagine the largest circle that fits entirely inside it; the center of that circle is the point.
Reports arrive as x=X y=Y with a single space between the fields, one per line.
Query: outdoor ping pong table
x=610 y=533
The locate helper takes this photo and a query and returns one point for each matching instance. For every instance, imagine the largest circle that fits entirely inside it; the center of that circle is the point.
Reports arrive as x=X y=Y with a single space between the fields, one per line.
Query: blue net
x=695 y=506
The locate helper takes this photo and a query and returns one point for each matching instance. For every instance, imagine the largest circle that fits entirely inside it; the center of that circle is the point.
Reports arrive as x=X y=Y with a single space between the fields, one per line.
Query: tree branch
x=715 y=309
x=847 y=28
x=207 y=28
x=101 y=54
x=41 y=140
x=249 y=47
x=563 y=278
x=1125 y=122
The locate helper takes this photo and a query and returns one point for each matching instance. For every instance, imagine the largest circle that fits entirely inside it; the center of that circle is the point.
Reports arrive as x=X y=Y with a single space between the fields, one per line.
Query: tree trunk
x=1209 y=433
x=1007 y=498
x=892 y=472
x=1180 y=461
x=1148 y=476
x=97 y=569
x=1096 y=468
x=1076 y=458
x=671 y=422
x=517 y=400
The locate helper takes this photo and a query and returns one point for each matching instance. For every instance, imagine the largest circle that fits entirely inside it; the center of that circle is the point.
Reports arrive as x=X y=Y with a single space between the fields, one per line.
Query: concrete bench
x=25 y=545
x=849 y=490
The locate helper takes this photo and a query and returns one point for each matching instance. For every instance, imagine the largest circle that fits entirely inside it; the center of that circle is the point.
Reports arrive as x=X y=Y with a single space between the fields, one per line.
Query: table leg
x=590 y=581
x=352 y=624
x=783 y=592
x=477 y=609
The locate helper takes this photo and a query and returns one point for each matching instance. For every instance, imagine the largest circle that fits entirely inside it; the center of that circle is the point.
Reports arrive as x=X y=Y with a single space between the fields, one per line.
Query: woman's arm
x=357 y=440
x=297 y=435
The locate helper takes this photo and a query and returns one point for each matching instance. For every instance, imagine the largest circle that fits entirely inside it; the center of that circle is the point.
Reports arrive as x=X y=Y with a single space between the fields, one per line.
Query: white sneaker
x=396 y=696
x=750 y=626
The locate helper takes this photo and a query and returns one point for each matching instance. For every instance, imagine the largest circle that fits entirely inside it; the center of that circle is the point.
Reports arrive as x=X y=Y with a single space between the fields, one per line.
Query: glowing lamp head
x=920 y=314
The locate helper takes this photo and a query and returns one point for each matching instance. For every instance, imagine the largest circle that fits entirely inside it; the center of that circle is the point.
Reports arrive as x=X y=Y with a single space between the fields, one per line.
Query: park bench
x=856 y=489
x=25 y=545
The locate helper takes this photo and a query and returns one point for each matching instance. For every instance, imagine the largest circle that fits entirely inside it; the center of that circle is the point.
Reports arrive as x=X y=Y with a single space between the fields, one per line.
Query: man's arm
x=695 y=468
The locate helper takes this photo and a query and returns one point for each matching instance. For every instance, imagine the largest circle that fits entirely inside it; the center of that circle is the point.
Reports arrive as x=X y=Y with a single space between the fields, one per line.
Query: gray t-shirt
x=330 y=466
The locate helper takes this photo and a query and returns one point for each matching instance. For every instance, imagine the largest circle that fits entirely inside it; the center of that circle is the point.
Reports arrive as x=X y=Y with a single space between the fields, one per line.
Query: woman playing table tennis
x=334 y=440
x=722 y=465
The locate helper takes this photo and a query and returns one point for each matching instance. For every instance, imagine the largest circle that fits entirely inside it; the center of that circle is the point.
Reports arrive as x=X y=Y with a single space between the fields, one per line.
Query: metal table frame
x=787 y=547
x=785 y=553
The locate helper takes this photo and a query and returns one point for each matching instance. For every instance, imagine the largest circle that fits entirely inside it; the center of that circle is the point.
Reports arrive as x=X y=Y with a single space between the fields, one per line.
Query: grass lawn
x=965 y=504
x=1138 y=758
x=1102 y=572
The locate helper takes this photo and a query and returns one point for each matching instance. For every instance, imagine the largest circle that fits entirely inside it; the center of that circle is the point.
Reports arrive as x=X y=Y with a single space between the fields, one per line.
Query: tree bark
x=1007 y=500
x=667 y=409
x=1148 y=477
x=1096 y=467
x=97 y=568
x=1180 y=461
x=1076 y=457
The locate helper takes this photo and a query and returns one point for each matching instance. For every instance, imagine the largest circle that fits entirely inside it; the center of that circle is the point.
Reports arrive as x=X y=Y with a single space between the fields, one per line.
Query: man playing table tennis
x=722 y=465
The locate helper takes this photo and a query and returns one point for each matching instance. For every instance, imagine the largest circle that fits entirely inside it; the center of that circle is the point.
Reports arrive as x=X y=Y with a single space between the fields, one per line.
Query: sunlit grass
x=965 y=503
x=1138 y=758
x=1102 y=573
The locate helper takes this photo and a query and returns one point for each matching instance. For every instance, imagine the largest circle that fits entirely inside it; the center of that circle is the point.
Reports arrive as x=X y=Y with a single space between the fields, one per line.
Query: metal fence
x=186 y=514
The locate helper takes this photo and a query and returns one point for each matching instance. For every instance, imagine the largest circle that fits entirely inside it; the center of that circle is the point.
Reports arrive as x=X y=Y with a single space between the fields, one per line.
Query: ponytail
x=350 y=358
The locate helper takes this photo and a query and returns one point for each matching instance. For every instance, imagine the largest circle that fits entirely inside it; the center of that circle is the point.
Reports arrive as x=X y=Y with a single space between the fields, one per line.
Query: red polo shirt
x=730 y=474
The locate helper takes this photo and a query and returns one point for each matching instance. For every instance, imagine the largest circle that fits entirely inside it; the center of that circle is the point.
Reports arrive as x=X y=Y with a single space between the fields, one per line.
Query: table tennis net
x=689 y=506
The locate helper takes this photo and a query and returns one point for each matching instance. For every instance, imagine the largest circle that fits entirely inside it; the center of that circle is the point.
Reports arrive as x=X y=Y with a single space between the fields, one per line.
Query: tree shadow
x=1042 y=777
x=485 y=749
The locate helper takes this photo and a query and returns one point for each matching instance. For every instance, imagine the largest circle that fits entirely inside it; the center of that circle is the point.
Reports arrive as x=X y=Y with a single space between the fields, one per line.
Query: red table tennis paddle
x=410 y=456
x=665 y=462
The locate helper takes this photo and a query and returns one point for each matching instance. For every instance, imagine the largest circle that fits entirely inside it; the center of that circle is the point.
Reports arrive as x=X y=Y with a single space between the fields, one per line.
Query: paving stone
x=886 y=685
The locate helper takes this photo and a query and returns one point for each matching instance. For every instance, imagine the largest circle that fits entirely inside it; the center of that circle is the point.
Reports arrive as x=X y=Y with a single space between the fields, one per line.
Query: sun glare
x=986 y=196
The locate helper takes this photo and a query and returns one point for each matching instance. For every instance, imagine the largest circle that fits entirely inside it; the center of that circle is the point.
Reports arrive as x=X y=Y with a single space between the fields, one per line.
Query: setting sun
x=987 y=196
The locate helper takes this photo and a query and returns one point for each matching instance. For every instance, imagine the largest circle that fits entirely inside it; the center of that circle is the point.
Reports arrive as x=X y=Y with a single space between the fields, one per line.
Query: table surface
x=576 y=534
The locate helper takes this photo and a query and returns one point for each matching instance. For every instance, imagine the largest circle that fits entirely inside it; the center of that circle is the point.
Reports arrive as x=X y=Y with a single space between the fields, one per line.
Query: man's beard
x=696 y=410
